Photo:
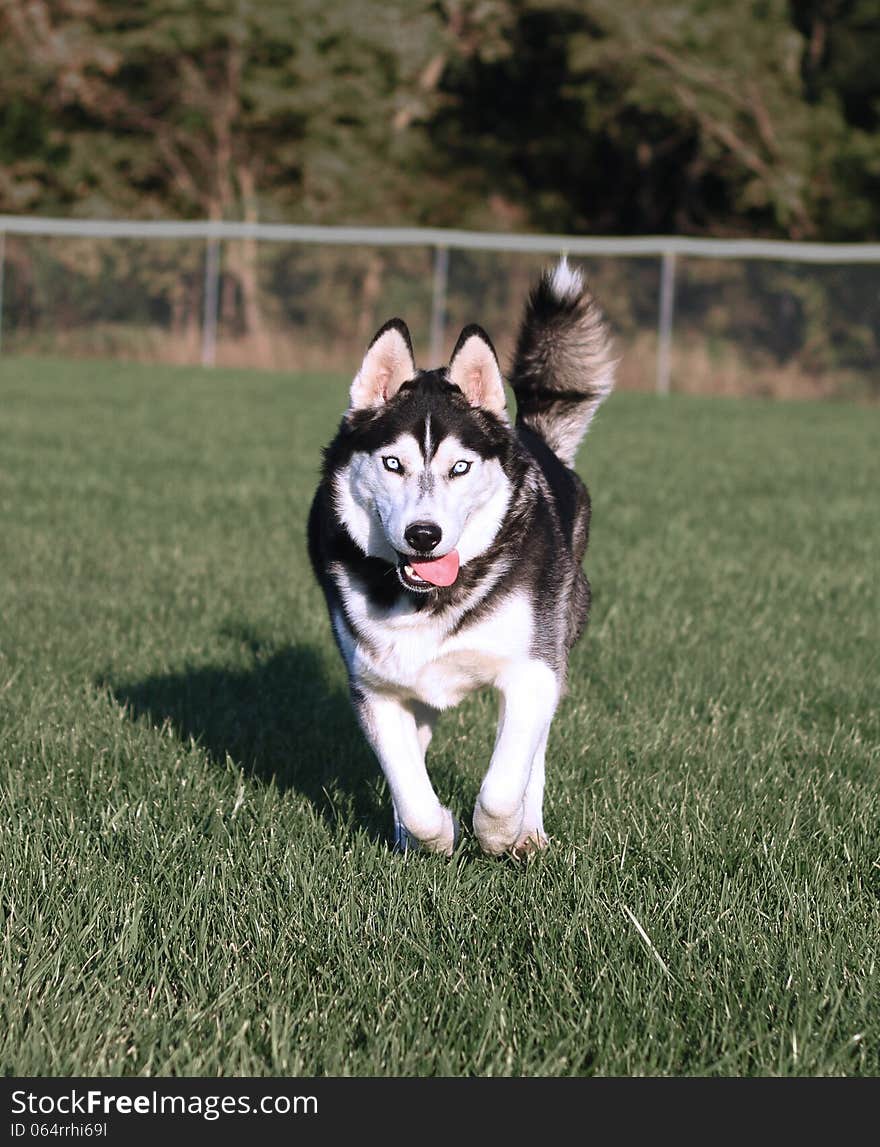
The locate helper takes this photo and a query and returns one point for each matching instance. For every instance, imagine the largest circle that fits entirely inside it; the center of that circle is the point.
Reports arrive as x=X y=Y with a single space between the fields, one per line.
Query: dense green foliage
x=194 y=874
x=616 y=116
x=573 y=116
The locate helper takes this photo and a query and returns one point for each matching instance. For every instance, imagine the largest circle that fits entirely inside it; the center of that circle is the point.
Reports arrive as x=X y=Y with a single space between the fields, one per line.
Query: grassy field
x=195 y=875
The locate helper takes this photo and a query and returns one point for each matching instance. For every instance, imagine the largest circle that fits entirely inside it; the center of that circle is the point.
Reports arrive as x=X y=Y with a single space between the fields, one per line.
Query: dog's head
x=423 y=485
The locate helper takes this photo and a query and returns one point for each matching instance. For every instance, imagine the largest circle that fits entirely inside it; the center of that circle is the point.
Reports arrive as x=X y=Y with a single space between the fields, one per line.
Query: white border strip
x=642 y=246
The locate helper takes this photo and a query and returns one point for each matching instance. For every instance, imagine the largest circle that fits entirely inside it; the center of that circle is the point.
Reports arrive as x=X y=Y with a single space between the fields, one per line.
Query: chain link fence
x=698 y=316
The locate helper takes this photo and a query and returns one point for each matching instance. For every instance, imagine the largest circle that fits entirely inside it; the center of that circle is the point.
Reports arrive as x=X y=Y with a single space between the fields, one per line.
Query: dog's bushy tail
x=563 y=366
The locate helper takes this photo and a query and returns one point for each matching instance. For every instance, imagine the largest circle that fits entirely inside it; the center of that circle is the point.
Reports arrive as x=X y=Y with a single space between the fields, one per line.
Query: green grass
x=195 y=875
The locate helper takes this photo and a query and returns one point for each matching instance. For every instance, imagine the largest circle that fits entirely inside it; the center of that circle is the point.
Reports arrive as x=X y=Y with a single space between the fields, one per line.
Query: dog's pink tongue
x=439 y=571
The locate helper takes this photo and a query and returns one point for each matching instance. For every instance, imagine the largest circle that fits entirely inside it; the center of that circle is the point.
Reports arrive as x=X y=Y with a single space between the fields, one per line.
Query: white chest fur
x=409 y=654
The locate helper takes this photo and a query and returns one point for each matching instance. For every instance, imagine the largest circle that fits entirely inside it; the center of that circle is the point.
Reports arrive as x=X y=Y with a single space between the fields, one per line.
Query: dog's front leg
x=395 y=735
x=529 y=695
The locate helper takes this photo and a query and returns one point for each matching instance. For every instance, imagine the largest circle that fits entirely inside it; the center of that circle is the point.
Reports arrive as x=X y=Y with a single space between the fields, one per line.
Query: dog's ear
x=474 y=370
x=387 y=365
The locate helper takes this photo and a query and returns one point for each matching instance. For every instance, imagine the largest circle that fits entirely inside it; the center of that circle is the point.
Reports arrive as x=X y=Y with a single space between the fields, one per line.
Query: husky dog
x=448 y=544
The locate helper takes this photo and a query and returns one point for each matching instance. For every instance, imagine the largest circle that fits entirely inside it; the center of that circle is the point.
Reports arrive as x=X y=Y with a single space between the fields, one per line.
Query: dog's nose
x=423 y=536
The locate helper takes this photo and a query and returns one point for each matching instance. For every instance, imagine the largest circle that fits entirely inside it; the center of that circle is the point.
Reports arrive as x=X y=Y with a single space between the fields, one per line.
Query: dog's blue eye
x=460 y=468
x=393 y=464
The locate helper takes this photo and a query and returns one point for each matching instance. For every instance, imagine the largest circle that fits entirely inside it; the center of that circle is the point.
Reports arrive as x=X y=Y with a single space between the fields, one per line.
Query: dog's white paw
x=497 y=834
x=444 y=844
x=529 y=844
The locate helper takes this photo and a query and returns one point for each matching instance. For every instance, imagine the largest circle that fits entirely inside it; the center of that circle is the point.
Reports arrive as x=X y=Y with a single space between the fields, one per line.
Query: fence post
x=211 y=302
x=438 y=304
x=2 y=276
x=667 y=308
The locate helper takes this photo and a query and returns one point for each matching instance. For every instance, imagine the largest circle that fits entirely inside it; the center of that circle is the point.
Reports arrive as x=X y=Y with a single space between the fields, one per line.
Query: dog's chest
x=418 y=659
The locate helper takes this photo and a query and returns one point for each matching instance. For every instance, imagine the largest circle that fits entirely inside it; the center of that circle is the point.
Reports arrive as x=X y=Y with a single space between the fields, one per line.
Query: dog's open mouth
x=429 y=573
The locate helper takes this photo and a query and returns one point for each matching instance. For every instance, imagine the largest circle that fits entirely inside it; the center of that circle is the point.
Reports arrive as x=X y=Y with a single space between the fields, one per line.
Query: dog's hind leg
x=392 y=730
x=529 y=692
x=426 y=718
x=532 y=837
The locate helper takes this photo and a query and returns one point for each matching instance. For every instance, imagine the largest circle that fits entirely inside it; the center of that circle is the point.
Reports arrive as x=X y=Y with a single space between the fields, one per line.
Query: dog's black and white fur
x=426 y=480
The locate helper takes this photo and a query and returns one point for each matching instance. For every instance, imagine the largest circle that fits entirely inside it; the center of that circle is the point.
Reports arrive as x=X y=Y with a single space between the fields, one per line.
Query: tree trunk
x=247 y=269
x=370 y=291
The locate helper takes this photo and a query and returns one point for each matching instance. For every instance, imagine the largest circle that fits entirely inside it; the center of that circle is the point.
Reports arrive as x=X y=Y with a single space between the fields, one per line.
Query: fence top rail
x=638 y=246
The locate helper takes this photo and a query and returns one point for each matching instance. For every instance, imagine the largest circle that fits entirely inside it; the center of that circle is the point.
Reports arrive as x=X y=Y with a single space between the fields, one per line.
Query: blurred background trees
x=579 y=116
x=604 y=116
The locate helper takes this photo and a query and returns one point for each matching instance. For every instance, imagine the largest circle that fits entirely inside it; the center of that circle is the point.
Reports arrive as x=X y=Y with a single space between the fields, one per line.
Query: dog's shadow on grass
x=281 y=718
